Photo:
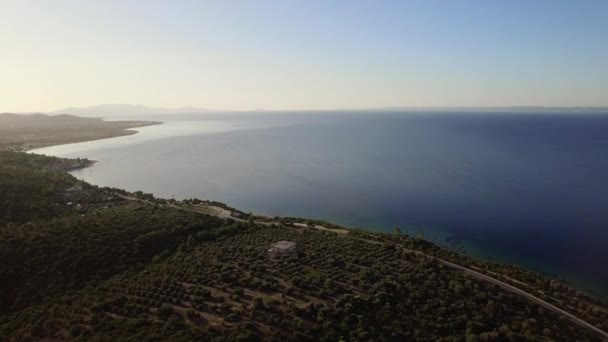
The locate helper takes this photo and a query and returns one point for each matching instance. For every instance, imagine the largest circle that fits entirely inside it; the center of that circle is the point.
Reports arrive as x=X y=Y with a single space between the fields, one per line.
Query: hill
x=79 y=262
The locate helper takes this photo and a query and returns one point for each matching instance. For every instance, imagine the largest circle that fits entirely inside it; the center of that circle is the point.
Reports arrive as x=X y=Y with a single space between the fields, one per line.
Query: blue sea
x=524 y=188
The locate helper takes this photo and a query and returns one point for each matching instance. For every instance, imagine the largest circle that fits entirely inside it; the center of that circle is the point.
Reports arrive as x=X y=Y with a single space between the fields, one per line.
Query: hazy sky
x=302 y=54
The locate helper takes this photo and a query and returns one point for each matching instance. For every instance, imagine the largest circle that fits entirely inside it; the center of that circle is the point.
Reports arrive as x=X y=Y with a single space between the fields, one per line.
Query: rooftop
x=283 y=245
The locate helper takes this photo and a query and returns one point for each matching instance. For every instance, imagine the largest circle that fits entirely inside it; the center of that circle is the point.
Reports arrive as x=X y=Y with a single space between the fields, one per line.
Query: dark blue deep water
x=521 y=188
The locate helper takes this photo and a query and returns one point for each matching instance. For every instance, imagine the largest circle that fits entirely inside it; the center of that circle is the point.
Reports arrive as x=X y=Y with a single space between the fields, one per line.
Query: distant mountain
x=9 y=121
x=512 y=109
x=119 y=110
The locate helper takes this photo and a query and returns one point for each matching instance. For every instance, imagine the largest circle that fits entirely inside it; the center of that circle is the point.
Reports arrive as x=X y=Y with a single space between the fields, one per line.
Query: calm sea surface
x=530 y=189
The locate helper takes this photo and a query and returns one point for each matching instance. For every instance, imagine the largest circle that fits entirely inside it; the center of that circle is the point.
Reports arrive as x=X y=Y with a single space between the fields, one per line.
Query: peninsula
x=24 y=132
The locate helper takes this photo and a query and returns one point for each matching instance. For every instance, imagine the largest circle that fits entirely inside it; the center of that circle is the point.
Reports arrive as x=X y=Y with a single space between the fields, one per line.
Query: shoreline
x=122 y=132
x=453 y=260
x=24 y=133
x=459 y=248
x=32 y=147
x=84 y=162
x=238 y=214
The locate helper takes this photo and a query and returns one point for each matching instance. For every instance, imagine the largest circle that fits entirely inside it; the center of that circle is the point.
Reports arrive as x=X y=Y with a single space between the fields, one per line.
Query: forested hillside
x=79 y=262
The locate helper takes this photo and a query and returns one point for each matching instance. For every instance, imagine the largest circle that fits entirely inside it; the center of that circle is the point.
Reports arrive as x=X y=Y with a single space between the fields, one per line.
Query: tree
x=165 y=311
x=397 y=231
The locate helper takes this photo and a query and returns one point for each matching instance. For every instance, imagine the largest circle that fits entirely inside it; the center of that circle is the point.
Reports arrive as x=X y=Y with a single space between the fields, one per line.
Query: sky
x=302 y=54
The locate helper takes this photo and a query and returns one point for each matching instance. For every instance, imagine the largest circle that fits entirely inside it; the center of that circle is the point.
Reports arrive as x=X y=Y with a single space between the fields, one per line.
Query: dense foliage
x=118 y=266
x=25 y=187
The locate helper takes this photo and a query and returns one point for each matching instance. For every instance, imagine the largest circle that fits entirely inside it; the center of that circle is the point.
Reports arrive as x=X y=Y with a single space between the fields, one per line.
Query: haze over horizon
x=275 y=55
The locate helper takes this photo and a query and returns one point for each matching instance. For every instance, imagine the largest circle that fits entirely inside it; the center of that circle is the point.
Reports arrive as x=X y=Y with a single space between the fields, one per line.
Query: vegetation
x=79 y=262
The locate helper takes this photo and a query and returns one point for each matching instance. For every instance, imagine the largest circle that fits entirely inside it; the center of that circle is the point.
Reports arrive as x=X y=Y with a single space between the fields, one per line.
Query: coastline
x=472 y=267
x=93 y=136
x=459 y=263
x=70 y=164
x=459 y=245
x=456 y=244
x=25 y=133
x=83 y=164
x=30 y=147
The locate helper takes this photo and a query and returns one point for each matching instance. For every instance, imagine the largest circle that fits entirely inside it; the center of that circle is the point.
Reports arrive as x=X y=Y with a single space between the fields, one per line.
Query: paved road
x=527 y=295
x=510 y=288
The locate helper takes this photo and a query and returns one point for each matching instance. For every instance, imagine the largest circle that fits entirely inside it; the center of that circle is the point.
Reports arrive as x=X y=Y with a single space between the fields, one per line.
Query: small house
x=282 y=248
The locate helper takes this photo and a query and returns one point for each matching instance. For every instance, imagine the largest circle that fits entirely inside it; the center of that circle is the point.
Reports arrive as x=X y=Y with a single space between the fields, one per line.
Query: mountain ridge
x=123 y=110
